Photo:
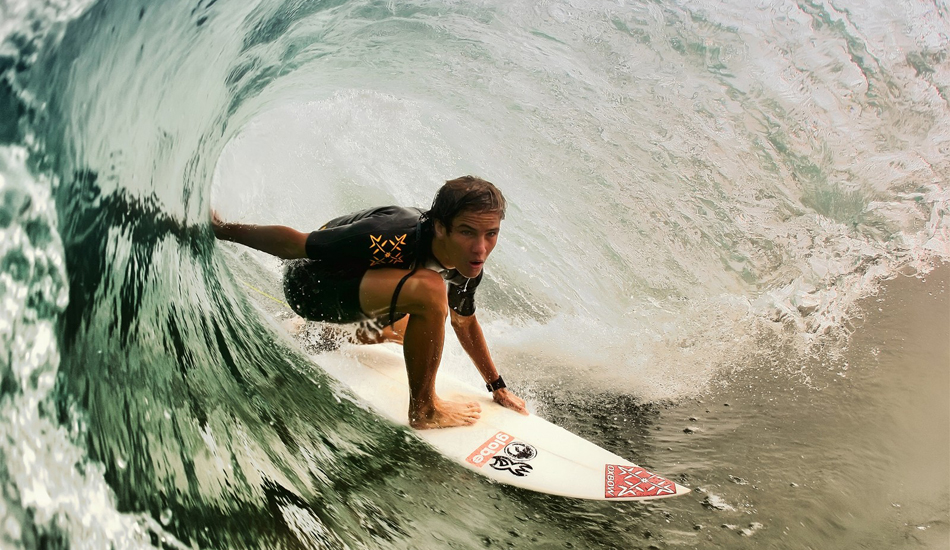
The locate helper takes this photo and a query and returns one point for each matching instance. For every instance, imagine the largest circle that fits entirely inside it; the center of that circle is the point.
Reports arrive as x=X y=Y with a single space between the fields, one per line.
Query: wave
x=686 y=181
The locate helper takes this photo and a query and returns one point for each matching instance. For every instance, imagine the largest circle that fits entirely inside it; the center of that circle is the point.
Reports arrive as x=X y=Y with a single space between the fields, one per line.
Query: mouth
x=476 y=265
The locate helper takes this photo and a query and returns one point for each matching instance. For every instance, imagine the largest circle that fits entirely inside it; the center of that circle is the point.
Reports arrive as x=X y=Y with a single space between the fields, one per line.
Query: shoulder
x=396 y=215
x=403 y=213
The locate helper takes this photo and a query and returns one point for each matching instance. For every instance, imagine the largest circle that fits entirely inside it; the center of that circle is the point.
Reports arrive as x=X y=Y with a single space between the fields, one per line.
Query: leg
x=423 y=297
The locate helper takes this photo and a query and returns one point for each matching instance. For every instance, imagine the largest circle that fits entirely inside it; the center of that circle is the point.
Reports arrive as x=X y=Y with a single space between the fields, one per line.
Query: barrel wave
x=696 y=189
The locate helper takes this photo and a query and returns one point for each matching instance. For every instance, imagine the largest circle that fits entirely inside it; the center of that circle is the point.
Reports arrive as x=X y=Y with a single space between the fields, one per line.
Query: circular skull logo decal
x=520 y=451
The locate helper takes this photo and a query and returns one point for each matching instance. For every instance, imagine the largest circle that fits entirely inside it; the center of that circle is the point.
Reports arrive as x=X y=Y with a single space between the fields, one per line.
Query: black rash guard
x=347 y=246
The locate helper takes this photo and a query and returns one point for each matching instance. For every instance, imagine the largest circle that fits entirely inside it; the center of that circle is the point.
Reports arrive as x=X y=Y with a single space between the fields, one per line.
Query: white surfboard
x=524 y=451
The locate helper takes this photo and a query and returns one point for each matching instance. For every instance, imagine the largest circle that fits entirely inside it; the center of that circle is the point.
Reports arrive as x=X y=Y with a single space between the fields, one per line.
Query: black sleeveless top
x=388 y=236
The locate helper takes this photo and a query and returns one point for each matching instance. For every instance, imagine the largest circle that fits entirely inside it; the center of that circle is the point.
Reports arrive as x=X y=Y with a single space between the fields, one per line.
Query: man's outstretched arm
x=470 y=335
x=278 y=240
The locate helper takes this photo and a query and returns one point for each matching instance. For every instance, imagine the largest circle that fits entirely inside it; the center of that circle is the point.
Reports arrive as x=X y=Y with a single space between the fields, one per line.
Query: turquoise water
x=704 y=199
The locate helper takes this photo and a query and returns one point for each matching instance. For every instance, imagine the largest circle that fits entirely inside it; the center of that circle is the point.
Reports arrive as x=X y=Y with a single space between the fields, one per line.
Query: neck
x=438 y=252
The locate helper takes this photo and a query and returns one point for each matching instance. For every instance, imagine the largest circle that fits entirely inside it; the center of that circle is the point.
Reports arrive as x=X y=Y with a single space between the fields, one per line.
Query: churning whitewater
x=701 y=194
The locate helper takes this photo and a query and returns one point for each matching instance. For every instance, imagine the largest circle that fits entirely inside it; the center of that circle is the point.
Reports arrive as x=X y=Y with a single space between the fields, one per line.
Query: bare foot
x=443 y=414
x=369 y=334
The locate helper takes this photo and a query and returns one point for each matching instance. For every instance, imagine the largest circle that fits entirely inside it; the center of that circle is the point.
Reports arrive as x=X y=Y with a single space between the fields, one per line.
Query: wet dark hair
x=466 y=194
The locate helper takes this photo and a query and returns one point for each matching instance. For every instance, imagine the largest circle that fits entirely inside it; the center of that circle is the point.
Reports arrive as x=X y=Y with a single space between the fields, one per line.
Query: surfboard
x=504 y=446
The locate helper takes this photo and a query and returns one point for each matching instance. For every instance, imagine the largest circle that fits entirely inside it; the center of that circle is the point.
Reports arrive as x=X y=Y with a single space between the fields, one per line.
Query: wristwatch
x=496 y=385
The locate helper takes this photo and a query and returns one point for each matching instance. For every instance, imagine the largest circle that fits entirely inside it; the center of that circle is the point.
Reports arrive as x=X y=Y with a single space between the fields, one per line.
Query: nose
x=481 y=246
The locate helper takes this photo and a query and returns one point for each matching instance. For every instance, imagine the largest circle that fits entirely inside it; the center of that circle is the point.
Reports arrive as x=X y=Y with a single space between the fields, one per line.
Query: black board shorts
x=328 y=292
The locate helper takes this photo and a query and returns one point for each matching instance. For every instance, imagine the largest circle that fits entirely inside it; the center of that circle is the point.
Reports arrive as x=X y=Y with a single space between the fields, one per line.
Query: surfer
x=399 y=272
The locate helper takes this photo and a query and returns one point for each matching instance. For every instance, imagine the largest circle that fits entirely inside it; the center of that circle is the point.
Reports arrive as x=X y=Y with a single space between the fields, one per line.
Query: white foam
x=35 y=19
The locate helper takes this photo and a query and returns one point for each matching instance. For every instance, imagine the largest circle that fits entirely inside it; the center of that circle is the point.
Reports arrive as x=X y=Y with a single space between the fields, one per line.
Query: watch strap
x=498 y=384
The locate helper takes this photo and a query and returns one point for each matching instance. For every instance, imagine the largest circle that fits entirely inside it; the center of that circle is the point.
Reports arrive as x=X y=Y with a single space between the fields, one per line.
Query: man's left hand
x=507 y=399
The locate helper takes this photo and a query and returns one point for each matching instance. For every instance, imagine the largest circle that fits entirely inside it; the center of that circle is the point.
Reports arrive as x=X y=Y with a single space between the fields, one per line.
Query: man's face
x=467 y=246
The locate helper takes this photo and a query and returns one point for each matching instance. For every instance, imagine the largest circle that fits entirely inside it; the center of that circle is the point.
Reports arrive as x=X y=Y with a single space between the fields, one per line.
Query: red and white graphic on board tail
x=634 y=481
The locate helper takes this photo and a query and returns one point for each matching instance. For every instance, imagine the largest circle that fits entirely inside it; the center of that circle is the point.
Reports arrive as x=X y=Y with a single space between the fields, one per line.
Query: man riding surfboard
x=403 y=270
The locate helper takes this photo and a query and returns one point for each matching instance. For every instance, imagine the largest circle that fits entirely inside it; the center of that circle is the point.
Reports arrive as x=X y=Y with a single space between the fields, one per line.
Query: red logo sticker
x=634 y=481
x=488 y=449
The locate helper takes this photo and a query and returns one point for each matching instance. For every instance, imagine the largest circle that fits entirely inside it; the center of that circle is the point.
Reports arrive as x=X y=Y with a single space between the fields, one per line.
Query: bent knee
x=427 y=289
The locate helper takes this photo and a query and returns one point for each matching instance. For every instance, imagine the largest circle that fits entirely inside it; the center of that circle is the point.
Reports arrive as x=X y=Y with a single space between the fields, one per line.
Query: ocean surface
x=723 y=259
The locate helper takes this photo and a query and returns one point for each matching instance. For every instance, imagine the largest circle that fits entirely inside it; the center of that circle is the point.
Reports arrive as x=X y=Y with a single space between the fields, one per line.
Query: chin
x=471 y=272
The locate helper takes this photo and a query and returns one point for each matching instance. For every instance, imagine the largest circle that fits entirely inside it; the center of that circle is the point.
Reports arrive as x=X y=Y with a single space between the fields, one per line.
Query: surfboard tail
x=631 y=482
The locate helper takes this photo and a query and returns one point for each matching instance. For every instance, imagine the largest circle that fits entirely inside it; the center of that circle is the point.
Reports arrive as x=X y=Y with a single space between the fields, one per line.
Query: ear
x=439 y=227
